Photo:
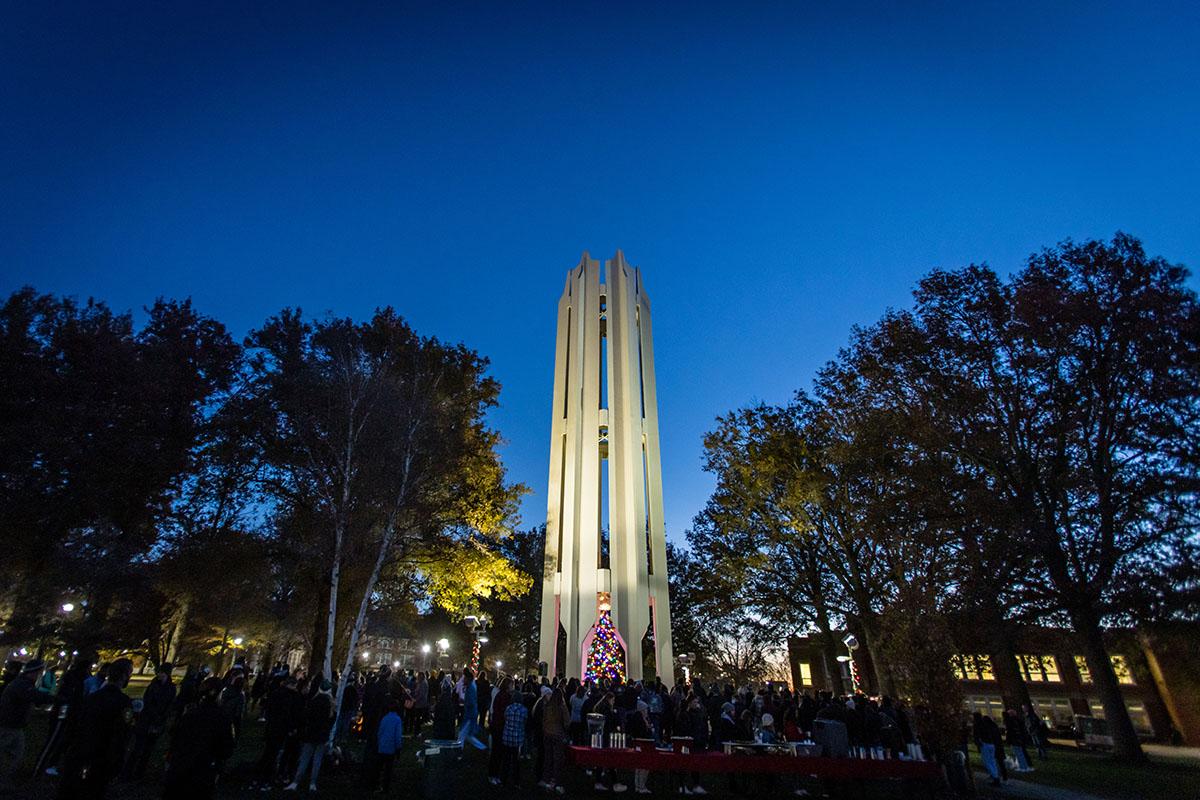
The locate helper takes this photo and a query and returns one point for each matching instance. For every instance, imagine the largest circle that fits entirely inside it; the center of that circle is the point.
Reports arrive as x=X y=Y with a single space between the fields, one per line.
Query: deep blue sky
x=780 y=173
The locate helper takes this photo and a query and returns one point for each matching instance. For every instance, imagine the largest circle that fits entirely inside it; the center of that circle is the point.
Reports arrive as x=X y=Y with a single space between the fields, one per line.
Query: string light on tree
x=605 y=657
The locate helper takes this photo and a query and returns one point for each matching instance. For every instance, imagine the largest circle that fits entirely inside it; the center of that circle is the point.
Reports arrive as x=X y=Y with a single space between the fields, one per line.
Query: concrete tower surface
x=605 y=546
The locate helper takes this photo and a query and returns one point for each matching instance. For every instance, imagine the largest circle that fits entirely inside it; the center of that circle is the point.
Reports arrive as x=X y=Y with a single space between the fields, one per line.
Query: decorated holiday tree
x=605 y=658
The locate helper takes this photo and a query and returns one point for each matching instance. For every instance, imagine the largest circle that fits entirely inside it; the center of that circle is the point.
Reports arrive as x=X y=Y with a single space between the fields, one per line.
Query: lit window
x=969 y=667
x=805 y=674
x=1039 y=669
x=1121 y=668
x=1085 y=674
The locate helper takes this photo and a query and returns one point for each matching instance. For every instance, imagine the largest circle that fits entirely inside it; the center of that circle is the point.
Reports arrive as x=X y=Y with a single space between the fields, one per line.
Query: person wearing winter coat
x=387 y=743
x=151 y=721
x=318 y=722
x=202 y=741
x=556 y=718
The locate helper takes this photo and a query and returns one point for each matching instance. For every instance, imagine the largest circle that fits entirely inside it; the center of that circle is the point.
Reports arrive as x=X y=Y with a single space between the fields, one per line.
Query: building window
x=973 y=667
x=991 y=706
x=1039 y=669
x=1055 y=710
x=1120 y=668
x=805 y=673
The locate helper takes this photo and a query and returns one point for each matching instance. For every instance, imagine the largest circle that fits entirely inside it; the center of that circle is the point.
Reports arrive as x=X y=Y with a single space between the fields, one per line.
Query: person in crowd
x=65 y=713
x=470 y=730
x=516 y=716
x=233 y=701
x=578 y=729
x=151 y=721
x=484 y=691
x=766 y=731
x=388 y=740
x=200 y=744
x=555 y=719
x=496 y=728
x=991 y=746
x=96 y=752
x=1037 y=730
x=16 y=706
x=638 y=726
x=1014 y=734
x=280 y=710
x=94 y=682
x=349 y=711
x=444 y=711
x=318 y=722
x=606 y=779
x=258 y=691
x=291 y=746
x=533 y=730
x=420 y=709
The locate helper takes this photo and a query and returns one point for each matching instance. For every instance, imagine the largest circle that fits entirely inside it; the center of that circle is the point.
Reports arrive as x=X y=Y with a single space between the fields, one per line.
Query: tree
x=99 y=423
x=1073 y=395
x=381 y=433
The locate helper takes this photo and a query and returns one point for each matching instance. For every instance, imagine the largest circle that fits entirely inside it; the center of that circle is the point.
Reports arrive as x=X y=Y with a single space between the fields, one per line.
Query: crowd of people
x=99 y=734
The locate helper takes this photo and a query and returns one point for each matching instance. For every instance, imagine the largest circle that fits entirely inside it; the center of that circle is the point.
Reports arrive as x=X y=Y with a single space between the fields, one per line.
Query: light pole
x=851 y=643
x=443 y=645
x=686 y=660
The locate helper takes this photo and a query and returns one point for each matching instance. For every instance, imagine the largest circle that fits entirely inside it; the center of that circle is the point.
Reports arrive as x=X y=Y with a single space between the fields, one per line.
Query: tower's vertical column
x=659 y=595
x=587 y=495
x=557 y=592
x=626 y=475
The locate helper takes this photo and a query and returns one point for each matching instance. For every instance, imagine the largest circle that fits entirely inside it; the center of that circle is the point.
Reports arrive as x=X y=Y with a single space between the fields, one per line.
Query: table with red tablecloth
x=811 y=766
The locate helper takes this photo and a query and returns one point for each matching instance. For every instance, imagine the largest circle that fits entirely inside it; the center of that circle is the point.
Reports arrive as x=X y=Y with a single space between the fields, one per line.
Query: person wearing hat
x=16 y=704
x=766 y=733
x=96 y=751
x=151 y=720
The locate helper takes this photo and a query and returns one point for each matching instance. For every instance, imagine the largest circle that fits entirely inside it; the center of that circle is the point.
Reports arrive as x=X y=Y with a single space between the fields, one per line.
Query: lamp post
x=851 y=643
x=478 y=628
x=443 y=645
x=686 y=660
x=425 y=648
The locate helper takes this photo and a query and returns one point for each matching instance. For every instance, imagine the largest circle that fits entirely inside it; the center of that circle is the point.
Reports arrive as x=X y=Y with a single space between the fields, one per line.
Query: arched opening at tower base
x=604 y=649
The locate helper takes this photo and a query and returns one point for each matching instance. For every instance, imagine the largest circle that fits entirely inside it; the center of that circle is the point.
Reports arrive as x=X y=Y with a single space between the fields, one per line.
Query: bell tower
x=605 y=569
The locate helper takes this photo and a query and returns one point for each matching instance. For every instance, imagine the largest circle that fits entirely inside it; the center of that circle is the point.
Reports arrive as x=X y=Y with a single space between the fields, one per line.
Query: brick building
x=1157 y=670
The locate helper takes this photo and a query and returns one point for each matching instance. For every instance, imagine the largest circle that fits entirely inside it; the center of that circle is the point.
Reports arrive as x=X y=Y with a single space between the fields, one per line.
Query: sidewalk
x=1014 y=787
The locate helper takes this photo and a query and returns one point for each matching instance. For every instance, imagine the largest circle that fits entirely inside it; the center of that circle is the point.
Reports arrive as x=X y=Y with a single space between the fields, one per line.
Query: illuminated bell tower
x=605 y=549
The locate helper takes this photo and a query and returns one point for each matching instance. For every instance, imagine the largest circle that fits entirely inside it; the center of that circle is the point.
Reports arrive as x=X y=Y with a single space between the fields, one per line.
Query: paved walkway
x=1015 y=787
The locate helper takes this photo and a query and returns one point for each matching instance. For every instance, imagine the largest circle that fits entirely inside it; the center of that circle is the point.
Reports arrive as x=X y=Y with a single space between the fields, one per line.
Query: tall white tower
x=604 y=519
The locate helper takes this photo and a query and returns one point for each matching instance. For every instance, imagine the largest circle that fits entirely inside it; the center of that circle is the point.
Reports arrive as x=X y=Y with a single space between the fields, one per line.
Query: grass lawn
x=1099 y=774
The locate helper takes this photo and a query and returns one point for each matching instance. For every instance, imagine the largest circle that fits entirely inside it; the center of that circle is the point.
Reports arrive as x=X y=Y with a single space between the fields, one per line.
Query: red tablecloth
x=818 y=767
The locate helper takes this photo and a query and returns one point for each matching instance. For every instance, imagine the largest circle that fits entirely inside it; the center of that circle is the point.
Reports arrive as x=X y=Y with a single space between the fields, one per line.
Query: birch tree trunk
x=360 y=620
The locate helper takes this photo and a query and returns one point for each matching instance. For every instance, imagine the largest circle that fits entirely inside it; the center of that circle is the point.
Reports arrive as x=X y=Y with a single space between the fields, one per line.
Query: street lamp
x=686 y=660
x=68 y=608
x=851 y=643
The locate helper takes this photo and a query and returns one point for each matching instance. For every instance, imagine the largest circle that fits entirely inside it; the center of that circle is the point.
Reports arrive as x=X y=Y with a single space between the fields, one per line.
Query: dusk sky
x=780 y=172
